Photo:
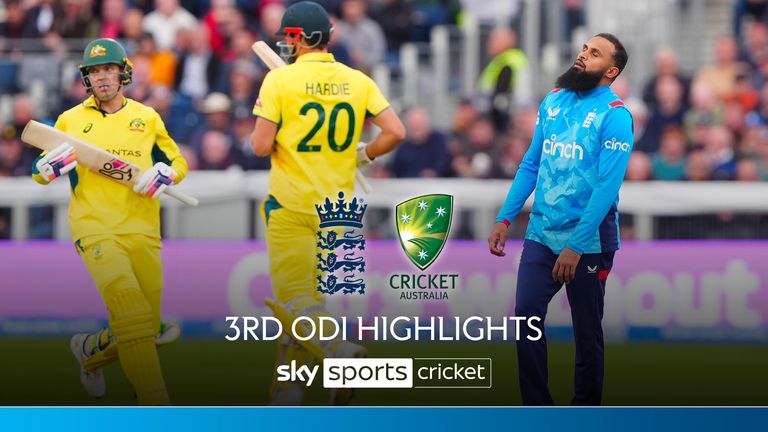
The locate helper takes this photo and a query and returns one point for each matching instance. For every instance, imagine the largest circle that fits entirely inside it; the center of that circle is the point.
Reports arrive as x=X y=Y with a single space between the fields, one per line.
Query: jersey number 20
x=304 y=145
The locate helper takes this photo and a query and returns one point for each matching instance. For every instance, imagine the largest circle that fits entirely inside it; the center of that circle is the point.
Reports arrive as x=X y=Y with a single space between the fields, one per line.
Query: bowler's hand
x=565 y=266
x=497 y=238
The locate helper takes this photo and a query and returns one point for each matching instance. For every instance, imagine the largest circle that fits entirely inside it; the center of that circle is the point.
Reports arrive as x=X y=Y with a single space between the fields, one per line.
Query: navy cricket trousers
x=586 y=292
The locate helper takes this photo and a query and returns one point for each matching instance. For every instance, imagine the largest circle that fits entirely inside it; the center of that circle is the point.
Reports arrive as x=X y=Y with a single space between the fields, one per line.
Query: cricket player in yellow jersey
x=310 y=117
x=117 y=230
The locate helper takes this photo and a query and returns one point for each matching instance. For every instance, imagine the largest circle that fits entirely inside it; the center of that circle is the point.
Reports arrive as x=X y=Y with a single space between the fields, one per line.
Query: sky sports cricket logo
x=393 y=373
x=336 y=256
x=423 y=224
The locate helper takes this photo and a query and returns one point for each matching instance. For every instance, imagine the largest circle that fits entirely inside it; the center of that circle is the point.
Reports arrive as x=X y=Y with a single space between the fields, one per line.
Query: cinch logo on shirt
x=616 y=145
x=558 y=149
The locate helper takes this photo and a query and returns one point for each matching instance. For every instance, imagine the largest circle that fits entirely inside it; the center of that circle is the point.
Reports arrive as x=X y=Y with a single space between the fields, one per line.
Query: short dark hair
x=620 y=56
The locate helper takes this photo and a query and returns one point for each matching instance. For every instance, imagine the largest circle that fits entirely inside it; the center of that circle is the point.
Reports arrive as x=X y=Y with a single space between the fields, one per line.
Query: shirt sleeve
x=525 y=179
x=616 y=142
x=376 y=100
x=165 y=150
x=268 y=104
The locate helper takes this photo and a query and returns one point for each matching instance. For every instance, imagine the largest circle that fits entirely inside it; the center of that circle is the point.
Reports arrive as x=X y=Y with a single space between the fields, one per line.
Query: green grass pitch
x=214 y=372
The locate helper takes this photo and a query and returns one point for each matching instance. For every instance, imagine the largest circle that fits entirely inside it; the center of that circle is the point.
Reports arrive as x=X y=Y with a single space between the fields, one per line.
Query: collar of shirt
x=316 y=57
x=91 y=102
x=597 y=91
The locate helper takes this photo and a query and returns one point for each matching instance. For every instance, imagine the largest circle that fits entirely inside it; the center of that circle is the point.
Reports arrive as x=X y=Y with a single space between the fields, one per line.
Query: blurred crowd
x=193 y=64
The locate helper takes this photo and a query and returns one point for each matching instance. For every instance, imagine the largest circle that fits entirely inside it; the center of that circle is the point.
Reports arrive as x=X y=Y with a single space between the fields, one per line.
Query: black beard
x=576 y=80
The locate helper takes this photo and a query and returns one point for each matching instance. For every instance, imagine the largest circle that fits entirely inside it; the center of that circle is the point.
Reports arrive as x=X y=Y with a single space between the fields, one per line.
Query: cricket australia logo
x=336 y=257
x=422 y=226
x=117 y=169
x=97 y=51
x=137 y=125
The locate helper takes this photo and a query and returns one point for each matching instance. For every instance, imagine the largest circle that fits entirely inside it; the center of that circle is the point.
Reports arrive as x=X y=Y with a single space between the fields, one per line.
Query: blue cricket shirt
x=576 y=164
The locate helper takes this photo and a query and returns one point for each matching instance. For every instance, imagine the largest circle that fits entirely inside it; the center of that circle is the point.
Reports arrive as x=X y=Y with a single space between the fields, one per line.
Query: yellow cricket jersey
x=136 y=134
x=319 y=106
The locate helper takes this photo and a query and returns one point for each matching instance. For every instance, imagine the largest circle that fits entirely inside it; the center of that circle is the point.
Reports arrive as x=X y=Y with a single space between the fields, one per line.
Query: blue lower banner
x=386 y=419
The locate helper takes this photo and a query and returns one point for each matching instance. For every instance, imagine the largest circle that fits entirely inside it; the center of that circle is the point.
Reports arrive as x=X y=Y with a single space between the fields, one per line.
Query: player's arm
x=59 y=161
x=267 y=111
x=263 y=137
x=613 y=166
x=391 y=134
x=392 y=130
x=522 y=187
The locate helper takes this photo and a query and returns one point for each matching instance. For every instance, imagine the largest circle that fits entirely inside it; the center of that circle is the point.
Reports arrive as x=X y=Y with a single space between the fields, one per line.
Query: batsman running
x=116 y=229
x=310 y=117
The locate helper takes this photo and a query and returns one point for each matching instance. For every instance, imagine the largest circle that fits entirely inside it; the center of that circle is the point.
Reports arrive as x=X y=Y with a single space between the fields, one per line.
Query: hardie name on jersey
x=327 y=89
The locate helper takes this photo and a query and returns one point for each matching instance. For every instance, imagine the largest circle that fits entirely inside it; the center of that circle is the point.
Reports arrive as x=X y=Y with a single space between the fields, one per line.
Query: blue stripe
x=374 y=419
x=609 y=230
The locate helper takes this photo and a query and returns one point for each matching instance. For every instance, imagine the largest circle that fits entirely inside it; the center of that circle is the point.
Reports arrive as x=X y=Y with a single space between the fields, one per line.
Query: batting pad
x=131 y=323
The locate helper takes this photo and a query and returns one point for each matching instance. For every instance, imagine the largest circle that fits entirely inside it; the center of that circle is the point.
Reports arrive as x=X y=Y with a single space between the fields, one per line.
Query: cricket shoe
x=92 y=381
x=343 y=396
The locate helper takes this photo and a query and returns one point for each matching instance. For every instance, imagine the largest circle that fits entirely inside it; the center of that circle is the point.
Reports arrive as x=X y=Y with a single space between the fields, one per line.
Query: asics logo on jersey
x=612 y=144
x=558 y=149
x=552 y=113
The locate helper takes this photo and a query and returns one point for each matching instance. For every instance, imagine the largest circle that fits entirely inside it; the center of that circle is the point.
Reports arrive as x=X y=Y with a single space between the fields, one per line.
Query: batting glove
x=57 y=162
x=155 y=180
x=362 y=155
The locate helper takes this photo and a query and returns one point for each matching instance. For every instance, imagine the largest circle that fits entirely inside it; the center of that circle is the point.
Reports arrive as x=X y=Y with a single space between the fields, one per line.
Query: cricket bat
x=274 y=61
x=48 y=138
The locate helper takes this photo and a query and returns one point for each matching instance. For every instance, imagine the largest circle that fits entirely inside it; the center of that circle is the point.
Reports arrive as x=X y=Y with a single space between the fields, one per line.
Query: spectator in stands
x=161 y=63
x=14 y=160
x=505 y=79
x=336 y=45
x=639 y=167
x=762 y=158
x=639 y=115
x=269 y=23
x=424 y=153
x=77 y=21
x=362 y=35
x=244 y=82
x=216 y=151
x=670 y=161
x=754 y=50
x=514 y=146
x=242 y=128
x=668 y=111
x=665 y=65
x=719 y=150
x=698 y=167
x=721 y=75
x=141 y=85
x=112 y=18
x=16 y=24
x=217 y=108
x=755 y=9
x=166 y=20
x=132 y=29
x=705 y=111
x=478 y=158
x=397 y=17
x=240 y=46
x=40 y=18
x=199 y=70
x=747 y=171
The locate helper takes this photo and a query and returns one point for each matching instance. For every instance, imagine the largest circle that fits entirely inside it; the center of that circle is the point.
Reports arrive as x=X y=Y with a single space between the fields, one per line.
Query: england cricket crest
x=337 y=245
x=423 y=224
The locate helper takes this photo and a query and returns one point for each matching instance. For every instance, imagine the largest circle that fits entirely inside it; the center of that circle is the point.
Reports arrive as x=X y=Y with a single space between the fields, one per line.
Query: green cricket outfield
x=213 y=372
